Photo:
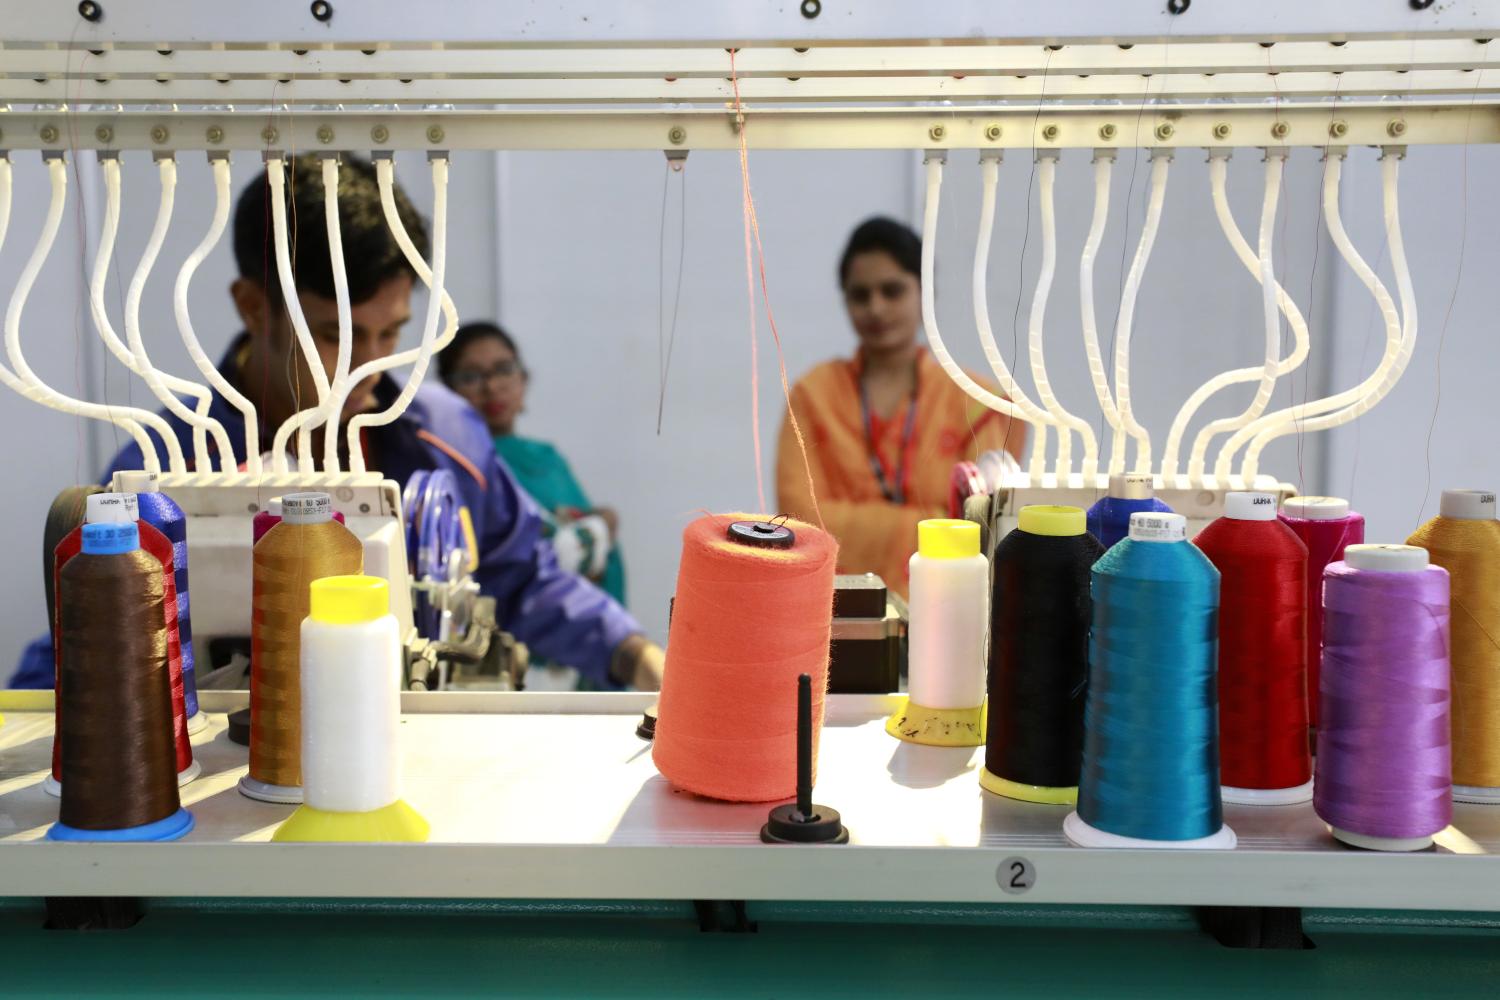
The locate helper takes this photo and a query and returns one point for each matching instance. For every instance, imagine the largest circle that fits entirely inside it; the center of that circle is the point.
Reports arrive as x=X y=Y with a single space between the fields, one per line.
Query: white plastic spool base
x=1400 y=844
x=196 y=723
x=1083 y=835
x=260 y=790
x=53 y=787
x=1481 y=794
x=1267 y=796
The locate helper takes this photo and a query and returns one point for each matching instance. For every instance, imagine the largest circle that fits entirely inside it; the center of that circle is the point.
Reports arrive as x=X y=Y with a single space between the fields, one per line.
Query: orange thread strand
x=752 y=226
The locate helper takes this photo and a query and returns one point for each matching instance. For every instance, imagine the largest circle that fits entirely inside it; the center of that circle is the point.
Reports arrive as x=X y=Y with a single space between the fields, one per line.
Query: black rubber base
x=788 y=826
x=239 y=727
x=92 y=913
x=1256 y=927
x=647 y=729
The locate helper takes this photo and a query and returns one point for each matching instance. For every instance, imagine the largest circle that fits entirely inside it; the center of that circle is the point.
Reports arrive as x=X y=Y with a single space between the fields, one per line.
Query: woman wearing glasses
x=483 y=365
x=885 y=427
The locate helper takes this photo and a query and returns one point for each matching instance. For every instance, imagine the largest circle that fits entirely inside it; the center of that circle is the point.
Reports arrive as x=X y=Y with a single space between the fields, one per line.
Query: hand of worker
x=639 y=662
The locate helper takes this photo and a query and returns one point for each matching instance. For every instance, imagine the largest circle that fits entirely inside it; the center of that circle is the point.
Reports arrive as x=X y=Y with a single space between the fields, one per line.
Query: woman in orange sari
x=884 y=428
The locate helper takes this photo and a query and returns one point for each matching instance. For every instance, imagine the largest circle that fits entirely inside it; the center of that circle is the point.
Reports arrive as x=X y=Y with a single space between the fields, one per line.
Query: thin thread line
x=1458 y=274
x=665 y=363
x=753 y=227
x=1015 y=316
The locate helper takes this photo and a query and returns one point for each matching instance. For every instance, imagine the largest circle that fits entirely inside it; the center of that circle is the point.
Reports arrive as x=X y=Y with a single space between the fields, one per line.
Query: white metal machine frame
x=175 y=77
x=170 y=78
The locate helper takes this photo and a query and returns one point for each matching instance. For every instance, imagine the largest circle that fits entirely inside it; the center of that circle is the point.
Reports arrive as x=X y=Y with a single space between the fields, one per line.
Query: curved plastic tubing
x=989 y=170
x=276 y=176
x=1294 y=417
x=1128 y=425
x=1272 y=367
x=1046 y=176
x=1393 y=363
x=305 y=421
x=185 y=325
x=974 y=390
x=434 y=278
x=1102 y=168
x=25 y=381
x=1217 y=169
x=162 y=385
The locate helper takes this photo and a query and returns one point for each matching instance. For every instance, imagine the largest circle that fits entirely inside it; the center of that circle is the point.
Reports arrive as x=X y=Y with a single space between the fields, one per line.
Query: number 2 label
x=1015 y=876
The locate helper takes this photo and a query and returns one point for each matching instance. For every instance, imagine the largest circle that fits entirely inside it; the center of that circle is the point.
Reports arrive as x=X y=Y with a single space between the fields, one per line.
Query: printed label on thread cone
x=306 y=504
x=1157 y=527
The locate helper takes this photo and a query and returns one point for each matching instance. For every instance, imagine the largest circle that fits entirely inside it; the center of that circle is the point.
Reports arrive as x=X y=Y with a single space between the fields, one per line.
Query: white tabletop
x=554 y=796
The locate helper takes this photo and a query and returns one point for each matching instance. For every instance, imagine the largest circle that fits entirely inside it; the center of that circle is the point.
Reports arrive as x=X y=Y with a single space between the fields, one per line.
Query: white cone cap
x=1316 y=508
x=1249 y=506
x=112 y=508
x=1386 y=558
x=1468 y=505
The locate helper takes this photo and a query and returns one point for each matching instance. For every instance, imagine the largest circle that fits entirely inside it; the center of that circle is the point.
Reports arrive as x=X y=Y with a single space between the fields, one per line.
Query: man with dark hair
x=560 y=616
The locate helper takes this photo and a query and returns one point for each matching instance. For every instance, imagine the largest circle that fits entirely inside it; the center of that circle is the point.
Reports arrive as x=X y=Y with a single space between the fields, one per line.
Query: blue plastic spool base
x=174 y=827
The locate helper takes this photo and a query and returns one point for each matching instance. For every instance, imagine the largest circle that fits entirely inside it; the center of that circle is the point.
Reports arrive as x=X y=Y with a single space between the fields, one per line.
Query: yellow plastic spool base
x=938 y=727
x=397 y=823
x=24 y=700
x=992 y=782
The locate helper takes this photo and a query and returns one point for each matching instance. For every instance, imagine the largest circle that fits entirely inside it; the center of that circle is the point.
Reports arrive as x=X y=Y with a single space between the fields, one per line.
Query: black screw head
x=89 y=10
x=1420 y=4
x=1178 y=6
x=811 y=8
x=322 y=10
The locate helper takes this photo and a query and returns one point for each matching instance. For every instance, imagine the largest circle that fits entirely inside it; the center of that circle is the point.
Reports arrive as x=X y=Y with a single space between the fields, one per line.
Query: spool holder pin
x=802 y=822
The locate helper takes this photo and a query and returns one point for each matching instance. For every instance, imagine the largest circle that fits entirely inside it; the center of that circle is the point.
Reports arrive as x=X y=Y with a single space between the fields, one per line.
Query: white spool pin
x=1470 y=505
x=1148 y=526
x=1251 y=505
x=1384 y=559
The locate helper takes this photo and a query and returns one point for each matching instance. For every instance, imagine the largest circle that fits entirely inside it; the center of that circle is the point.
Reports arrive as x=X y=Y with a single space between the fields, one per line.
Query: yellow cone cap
x=942 y=538
x=349 y=600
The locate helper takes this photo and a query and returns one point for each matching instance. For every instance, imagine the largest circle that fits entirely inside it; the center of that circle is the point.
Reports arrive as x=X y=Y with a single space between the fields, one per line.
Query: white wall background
x=563 y=249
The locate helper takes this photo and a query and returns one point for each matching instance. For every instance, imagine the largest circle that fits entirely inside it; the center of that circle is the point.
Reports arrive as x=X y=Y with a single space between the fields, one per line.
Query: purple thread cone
x=1383 y=765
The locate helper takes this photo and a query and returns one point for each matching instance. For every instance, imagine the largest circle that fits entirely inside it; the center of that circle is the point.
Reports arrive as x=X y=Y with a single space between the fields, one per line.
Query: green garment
x=543 y=472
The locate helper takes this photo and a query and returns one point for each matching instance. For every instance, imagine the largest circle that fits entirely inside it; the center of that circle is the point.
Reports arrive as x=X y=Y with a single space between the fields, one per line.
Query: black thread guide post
x=802 y=822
